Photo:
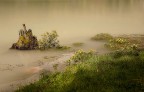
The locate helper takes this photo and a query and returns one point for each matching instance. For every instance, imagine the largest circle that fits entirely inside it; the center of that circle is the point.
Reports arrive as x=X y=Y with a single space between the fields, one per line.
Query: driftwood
x=26 y=41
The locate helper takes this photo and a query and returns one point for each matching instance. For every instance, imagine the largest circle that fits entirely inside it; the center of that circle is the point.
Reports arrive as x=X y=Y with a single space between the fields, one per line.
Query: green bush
x=81 y=56
x=49 y=40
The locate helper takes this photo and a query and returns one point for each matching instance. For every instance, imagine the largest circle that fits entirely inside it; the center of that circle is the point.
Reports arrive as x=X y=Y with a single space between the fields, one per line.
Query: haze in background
x=74 y=20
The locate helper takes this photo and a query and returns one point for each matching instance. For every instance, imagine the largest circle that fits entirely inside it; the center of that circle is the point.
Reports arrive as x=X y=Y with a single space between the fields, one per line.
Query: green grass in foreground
x=115 y=72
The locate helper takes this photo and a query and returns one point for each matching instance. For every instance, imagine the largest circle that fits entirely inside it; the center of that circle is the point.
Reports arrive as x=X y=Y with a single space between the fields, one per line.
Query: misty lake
x=74 y=21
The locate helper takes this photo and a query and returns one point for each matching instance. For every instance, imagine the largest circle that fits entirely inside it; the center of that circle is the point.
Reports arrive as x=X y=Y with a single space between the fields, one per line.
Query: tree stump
x=26 y=41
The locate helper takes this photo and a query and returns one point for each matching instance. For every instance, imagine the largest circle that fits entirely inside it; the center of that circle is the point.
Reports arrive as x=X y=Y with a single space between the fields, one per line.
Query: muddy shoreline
x=36 y=71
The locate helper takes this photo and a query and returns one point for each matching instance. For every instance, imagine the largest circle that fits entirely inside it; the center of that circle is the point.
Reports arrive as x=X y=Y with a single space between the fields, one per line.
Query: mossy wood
x=26 y=41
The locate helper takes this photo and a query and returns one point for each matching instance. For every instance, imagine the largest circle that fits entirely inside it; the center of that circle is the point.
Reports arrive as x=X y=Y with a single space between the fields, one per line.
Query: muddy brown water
x=74 y=20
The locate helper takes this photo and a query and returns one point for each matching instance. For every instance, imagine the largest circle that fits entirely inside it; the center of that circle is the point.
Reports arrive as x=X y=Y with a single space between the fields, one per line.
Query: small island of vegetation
x=27 y=41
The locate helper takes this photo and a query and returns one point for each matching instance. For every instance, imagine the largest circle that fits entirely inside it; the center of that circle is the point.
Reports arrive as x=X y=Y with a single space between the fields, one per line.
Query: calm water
x=74 y=20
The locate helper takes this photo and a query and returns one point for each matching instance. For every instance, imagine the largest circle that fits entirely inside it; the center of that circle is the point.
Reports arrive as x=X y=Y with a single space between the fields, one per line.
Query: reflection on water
x=74 y=20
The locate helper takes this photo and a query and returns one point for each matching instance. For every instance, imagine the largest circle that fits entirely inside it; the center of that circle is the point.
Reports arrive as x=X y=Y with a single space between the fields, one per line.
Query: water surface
x=74 y=20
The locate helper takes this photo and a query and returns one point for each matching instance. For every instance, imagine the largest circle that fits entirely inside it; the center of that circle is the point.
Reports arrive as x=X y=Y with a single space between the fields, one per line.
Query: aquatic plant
x=55 y=66
x=63 y=47
x=102 y=36
x=78 y=44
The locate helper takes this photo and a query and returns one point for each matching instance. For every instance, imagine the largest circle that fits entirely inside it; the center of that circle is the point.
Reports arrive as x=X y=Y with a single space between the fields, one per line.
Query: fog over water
x=74 y=20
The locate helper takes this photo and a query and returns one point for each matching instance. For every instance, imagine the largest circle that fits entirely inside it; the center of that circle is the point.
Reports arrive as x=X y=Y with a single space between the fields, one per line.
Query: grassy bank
x=114 y=72
x=121 y=42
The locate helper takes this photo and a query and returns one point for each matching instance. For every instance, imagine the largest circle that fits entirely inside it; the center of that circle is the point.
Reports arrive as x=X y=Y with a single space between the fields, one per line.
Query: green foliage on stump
x=26 y=43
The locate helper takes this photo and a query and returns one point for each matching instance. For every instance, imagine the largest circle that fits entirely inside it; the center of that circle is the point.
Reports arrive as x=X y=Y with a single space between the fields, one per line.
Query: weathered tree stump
x=26 y=41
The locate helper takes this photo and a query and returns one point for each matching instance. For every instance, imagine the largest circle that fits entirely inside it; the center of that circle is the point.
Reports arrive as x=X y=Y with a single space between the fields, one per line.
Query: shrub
x=81 y=56
x=49 y=40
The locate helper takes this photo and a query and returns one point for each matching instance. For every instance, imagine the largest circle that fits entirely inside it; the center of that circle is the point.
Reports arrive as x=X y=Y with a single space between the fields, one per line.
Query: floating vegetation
x=46 y=57
x=78 y=44
x=55 y=66
x=102 y=36
x=63 y=47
